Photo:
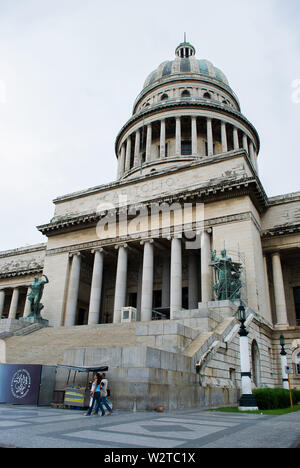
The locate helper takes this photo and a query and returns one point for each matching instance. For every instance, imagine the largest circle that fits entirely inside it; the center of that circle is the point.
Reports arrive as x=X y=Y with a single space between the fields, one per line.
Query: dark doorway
x=297 y=303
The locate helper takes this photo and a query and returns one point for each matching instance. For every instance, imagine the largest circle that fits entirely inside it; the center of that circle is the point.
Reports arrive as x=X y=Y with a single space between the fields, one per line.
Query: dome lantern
x=185 y=49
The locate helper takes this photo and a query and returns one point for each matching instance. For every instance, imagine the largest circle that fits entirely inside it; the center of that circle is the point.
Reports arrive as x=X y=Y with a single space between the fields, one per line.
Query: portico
x=150 y=275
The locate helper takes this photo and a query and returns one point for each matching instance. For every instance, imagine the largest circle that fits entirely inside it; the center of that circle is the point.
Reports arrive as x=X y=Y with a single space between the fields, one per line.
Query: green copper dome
x=186 y=63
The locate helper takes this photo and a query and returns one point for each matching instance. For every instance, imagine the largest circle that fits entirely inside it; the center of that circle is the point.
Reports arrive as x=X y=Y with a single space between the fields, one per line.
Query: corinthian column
x=96 y=288
x=137 y=148
x=148 y=142
x=2 y=299
x=27 y=306
x=147 y=282
x=210 y=143
x=121 y=162
x=14 y=304
x=128 y=154
x=280 y=303
x=194 y=136
x=245 y=143
x=121 y=282
x=224 y=137
x=73 y=290
x=178 y=137
x=176 y=277
x=162 y=139
x=236 y=144
x=72 y=298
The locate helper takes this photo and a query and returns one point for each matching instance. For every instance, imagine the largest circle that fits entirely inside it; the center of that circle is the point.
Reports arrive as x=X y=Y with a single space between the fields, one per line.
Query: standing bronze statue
x=35 y=296
x=228 y=282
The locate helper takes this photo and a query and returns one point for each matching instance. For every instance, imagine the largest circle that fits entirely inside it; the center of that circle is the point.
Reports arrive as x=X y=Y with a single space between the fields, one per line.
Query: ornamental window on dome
x=185 y=94
x=207 y=96
x=164 y=97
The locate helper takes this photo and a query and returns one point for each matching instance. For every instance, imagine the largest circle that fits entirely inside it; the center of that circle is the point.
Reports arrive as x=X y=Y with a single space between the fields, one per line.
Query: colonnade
x=14 y=303
x=171 y=283
x=279 y=292
x=127 y=161
x=171 y=280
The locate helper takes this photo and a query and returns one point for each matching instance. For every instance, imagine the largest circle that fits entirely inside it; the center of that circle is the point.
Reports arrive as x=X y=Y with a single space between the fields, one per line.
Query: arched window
x=164 y=97
x=255 y=358
x=207 y=96
x=185 y=94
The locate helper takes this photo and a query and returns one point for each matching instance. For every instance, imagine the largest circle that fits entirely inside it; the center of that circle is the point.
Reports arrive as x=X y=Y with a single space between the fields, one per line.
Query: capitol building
x=135 y=267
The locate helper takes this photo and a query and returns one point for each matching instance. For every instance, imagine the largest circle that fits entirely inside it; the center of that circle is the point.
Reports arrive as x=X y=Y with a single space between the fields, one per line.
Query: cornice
x=190 y=103
x=23 y=250
x=23 y=272
x=183 y=78
x=222 y=190
x=278 y=231
x=155 y=233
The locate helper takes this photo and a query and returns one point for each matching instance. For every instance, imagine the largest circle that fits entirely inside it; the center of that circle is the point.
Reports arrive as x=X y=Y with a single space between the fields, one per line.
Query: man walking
x=103 y=399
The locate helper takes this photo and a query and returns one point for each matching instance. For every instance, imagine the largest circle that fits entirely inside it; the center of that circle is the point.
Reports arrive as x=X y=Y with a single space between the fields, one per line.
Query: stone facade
x=187 y=185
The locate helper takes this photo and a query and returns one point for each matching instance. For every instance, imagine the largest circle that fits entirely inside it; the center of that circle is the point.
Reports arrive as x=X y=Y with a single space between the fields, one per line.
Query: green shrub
x=275 y=398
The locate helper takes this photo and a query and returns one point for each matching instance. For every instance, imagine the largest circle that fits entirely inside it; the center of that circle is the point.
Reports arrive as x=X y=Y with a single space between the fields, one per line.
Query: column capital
x=204 y=231
x=149 y=241
x=118 y=246
x=74 y=254
x=100 y=249
x=273 y=254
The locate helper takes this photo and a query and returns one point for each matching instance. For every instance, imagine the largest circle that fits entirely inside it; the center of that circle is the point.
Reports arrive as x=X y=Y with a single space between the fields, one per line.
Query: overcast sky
x=70 y=71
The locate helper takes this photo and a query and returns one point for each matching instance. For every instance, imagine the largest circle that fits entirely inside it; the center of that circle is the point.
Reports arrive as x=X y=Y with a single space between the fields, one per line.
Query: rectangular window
x=186 y=147
x=132 y=299
x=157 y=298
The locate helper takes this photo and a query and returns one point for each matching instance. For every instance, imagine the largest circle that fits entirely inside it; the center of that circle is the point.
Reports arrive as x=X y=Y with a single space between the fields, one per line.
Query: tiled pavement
x=60 y=428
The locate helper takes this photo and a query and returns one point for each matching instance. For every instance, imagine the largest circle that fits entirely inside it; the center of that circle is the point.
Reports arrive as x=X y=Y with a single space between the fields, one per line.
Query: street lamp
x=247 y=401
x=285 y=380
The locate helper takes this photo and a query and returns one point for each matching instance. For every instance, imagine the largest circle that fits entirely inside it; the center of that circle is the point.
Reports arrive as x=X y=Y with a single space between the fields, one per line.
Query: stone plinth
x=225 y=308
x=33 y=320
x=11 y=325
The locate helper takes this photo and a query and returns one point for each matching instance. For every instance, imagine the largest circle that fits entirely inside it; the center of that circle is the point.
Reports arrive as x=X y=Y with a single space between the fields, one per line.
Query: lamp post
x=247 y=401
x=285 y=379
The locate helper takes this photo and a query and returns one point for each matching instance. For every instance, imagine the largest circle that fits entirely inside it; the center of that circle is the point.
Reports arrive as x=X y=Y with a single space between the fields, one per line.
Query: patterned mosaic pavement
x=47 y=427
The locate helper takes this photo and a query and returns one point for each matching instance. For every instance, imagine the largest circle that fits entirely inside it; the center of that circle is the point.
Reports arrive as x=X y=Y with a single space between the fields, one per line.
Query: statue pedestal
x=33 y=320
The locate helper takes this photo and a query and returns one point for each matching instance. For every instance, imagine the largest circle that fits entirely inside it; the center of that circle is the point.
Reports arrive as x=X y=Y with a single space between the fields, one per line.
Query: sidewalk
x=42 y=427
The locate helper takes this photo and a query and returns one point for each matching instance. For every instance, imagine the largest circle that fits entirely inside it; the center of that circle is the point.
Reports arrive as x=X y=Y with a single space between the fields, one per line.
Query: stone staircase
x=48 y=345
x=195 y=334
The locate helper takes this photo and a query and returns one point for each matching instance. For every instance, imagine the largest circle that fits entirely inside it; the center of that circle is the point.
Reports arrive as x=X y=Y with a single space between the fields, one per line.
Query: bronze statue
x=227 y=277
x=35 y=295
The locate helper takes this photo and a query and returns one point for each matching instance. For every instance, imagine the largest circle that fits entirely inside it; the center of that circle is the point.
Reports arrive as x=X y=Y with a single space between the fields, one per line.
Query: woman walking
x=95 y=395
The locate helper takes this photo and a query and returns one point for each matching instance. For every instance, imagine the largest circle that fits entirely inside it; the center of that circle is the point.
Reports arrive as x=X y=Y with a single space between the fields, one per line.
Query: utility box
x=128 y=314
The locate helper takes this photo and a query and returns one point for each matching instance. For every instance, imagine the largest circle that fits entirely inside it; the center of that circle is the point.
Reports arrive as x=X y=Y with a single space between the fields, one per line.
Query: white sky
x=70 y=71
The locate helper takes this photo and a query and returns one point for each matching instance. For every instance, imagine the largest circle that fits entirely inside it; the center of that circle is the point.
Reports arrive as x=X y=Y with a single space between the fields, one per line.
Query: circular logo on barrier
x=20 y=384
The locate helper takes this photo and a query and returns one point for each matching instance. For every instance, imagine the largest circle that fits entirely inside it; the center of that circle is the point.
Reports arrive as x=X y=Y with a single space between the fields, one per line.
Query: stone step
x=28 y=330
x=47 y=345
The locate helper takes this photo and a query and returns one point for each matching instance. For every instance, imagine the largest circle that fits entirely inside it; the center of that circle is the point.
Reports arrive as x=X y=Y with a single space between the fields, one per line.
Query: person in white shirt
x=103 y=398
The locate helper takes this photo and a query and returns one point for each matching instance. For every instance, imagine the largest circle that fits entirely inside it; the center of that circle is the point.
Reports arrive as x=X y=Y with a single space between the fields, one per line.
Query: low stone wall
x=141 y=378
